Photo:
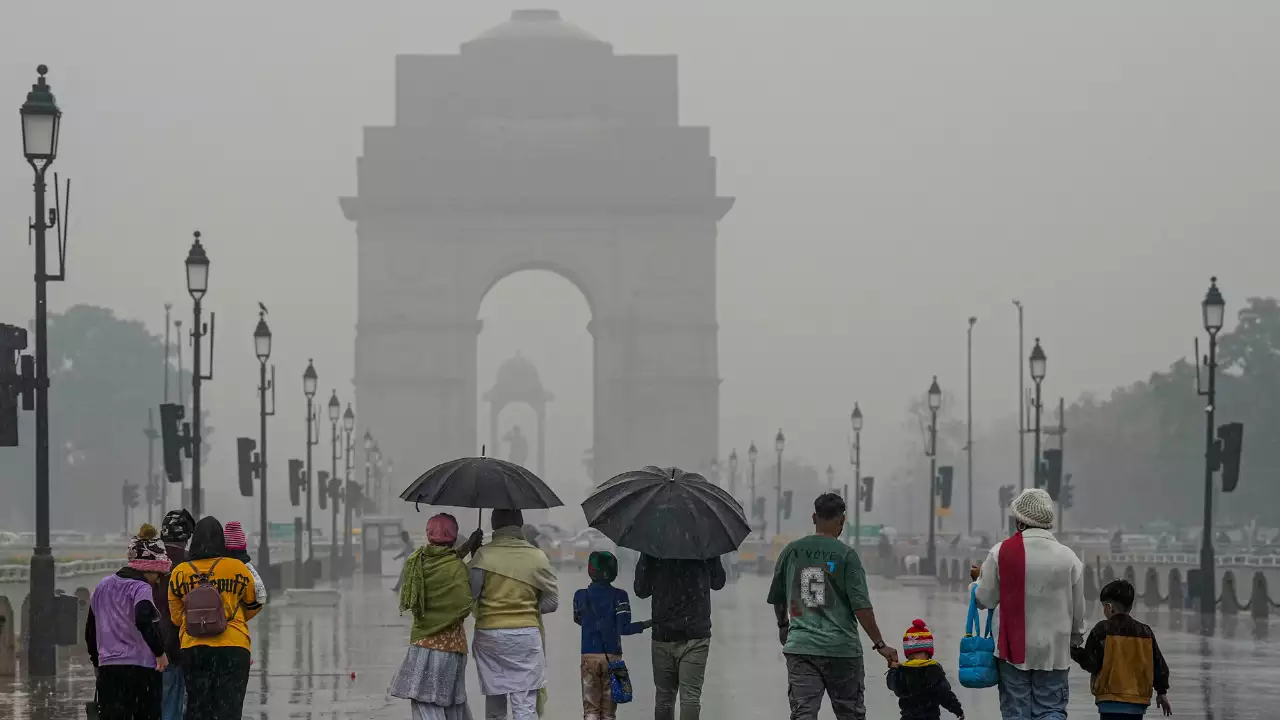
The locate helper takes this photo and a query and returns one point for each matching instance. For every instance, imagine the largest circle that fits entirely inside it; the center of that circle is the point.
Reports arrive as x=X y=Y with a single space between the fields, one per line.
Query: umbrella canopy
x=480 y=482
x=667 y=513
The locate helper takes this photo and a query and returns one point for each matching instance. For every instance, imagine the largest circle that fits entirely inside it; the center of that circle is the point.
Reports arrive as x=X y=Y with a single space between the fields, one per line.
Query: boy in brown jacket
x=1123 y=660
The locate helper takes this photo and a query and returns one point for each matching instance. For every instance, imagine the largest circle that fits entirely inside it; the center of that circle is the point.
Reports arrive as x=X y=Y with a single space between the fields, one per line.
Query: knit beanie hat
x=1034 y=508
x=917 y=638
x=602 y=566
x=146 y=553
x=234 y=534
x=177 y=526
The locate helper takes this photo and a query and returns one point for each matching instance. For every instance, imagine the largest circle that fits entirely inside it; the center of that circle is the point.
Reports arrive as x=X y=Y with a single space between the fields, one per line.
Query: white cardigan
x=1054 y=601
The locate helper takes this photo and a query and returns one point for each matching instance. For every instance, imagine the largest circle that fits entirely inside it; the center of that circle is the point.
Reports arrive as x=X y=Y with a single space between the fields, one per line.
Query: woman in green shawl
x=436 y=591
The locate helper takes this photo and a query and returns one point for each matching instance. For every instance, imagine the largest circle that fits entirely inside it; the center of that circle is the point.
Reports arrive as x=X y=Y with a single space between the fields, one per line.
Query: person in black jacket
x=920 y=683
x=681 y=591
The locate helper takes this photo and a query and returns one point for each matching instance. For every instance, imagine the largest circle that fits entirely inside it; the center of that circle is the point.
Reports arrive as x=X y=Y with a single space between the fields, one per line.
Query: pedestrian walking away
x=1123 y=659
x=604 y=612
x=513 y=586
x=920 y=682
x=123 y=635
x=819 y=597
x=406 y=549
x=175 y=533
x=1037 y=585
x=681 y=592
x=436 y=591
x=238 y=548
x=211 y=600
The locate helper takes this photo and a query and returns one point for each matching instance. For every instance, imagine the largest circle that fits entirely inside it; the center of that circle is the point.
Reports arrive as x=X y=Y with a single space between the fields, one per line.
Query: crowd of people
x=168 y=633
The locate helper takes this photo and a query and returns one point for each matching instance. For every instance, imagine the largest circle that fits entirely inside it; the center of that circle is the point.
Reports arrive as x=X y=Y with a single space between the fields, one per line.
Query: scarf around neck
x=510 y=555
x=1012 y=567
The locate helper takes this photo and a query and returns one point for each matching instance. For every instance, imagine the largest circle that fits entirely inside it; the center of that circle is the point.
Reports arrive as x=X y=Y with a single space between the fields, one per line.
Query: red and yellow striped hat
x=917 y=638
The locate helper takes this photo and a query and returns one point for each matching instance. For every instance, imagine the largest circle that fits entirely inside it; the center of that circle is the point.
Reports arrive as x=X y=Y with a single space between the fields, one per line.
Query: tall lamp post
x=309 y=381
x=779 y=443
x=335 y=414
x=1038 y=363
x=41 y=119
x=348 y=425
x=831 y=479
x=262 y=348
x=370 y=451
x=1022 y=406
x=935 y=402
x=197 y=286
x=968 y=443
x=733 y=473
x=1212 y=310
x=855 y=458
x=752 y=454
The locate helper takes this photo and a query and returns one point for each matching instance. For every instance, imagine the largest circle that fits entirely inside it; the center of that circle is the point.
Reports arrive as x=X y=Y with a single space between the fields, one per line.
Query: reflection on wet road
x=335 y=663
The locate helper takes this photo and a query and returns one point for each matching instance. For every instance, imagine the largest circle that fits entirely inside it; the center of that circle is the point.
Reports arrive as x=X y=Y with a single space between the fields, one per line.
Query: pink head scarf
x=442 y=529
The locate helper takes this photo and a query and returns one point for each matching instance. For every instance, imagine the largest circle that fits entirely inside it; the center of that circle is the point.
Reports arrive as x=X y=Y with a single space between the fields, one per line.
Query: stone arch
x=1259 y=600
x=1151 y=588
x=1177 y=593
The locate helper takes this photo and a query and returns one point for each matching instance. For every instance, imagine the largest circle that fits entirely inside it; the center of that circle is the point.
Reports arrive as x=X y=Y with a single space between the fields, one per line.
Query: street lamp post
x=935 y=402
x=1022 y=406
x=779 y=443
x=348 y=425
x=831 y=479
x=335 y=414
x=262 y=348
x=733 y=473
x=369 y=452
x=968 y=443
x=1038 y=363
x=41 y=119
x=752 y=454
x=197 y=285
x=309 y=381
x=1213 y=310
x=855 y=457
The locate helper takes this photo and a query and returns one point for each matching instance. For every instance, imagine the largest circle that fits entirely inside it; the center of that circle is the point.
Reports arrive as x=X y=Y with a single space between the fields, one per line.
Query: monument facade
x=538 y=147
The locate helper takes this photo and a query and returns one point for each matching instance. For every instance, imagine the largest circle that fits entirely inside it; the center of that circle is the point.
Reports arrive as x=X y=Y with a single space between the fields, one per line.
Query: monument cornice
x=353 y=207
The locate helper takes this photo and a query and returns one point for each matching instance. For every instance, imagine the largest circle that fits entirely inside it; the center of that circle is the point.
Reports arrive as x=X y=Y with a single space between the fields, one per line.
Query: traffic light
x=945 y=475
x=1067 y=499
x=868 y=485
x=14 y=384
x=1230 y=438
x=175 y=440
x=153 y=493
x=1052 y=473
x=322 y=484
x=297 y=479
x=1006 y=496
x=786 y=504
x=129 y=495
x=335 y=491
x=355 y=497
x=247 y=461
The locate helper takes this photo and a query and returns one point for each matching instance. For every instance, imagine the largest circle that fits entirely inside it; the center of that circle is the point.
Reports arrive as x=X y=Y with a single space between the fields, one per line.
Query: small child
x=1122 y=658
x=920 y=683
x=238 y=547
x=604 y=612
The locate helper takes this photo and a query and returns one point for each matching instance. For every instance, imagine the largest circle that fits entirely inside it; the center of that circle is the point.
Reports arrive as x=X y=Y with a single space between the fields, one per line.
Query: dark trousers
x=128 y=692
x=217 y=678
x=841 y=678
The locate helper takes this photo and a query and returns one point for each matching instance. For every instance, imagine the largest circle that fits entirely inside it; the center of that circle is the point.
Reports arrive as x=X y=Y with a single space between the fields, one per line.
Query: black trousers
x=128 y=692
x=217 y=678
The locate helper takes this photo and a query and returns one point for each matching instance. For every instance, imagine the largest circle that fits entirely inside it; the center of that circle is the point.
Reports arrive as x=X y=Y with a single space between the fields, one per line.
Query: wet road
x=335 y=663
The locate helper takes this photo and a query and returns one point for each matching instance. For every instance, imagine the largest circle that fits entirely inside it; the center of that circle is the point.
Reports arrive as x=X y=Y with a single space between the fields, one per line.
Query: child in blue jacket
x=604 y=612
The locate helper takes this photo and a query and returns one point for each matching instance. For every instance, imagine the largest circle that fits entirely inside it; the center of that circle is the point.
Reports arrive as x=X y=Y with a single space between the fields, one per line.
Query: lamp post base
x=42 y=656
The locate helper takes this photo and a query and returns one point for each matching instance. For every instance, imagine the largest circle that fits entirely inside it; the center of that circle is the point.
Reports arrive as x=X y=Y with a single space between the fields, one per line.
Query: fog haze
x=897 y=168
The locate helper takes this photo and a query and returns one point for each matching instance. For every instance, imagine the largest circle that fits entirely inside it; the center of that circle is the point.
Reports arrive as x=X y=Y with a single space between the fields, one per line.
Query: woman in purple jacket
x=124 y=637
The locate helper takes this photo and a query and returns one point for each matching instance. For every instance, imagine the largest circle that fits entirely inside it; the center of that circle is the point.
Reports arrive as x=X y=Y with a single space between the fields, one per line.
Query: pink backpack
x=206 y=616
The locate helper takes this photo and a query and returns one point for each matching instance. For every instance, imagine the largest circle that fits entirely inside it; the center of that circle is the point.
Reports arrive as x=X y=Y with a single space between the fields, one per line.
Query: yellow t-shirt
x=239 y=601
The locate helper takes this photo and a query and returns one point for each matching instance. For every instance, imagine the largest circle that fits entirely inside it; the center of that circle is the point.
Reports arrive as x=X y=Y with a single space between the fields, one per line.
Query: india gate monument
x=537 y=147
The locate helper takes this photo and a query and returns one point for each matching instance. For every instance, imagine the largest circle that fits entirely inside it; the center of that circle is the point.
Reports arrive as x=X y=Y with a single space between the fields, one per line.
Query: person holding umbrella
x=819 y=595
x=681 y=525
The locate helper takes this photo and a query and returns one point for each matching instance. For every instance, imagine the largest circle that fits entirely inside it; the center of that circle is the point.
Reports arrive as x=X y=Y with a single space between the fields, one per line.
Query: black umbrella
x=481 y=482
x=667 y=513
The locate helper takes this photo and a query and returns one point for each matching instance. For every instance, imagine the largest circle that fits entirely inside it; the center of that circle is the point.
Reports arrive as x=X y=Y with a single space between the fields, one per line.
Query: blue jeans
x=1032 y=694
x=173 y=698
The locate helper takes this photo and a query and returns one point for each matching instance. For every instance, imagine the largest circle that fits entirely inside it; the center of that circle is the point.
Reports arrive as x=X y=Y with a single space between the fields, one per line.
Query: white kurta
x=1054 y=599
x=509 y=661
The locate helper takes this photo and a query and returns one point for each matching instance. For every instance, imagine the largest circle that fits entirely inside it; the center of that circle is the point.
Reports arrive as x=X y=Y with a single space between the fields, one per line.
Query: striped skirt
x=435 y=682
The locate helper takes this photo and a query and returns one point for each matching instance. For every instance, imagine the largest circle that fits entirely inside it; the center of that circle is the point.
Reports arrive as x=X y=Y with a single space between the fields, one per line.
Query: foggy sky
x=898 y=168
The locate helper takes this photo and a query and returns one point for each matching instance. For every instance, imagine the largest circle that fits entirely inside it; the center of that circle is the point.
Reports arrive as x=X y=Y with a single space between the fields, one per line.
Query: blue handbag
x=977 y=653
x=619 y=681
